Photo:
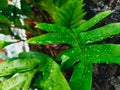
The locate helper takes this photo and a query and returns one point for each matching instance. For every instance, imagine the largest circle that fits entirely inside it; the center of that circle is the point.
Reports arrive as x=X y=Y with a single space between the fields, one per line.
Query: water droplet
x=47 y=69
x=110 y=50
x=50 y=88
x=67 y=36
x=99 y=61
x=98 y=51
x=43 y=74
x=88 y=71
x=63 y=41
x=88 y=41
x=107 y=62
x=51 y=70
x=73 y=51
x=48 y=42
x=105 y=50
x=84 y=76
x=64 y=58
x=97 y=55
x=49 y=78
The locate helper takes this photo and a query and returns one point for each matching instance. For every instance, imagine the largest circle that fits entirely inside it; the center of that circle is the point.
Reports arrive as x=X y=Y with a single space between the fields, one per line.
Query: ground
x=105 y=76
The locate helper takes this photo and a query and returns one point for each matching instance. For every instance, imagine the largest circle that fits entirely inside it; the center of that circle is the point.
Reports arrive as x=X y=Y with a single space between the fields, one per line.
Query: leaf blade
x=4 y=20
x=90 y=23
x=4 y=43
x=81 y=80
x=99 y=33
x=52 y=27
x=4 y=4
x=51 y=38
x=103 y=50
x=17 y=81
x=69 y=57
x=52 y=77
x=19 y=65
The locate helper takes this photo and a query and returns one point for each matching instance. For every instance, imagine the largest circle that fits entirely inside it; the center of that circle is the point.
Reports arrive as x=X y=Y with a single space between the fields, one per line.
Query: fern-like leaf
x=93 y=21
x=69 y=57
x=99 y=33
x=68 y=13
x=82 y=51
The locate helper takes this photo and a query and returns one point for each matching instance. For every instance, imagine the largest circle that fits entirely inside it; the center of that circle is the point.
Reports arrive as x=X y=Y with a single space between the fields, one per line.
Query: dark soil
x=105 y=76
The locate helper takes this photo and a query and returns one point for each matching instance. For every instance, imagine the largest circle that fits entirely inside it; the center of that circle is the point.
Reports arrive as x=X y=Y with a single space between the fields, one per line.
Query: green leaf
x=13 y=83
x=52 y=28
x=103 y=50
x=11 y=11
x=81 y=80
x=5 y=29
x=29 y=78
x=18 y=81
x=49 y=5
x=102 y=59
x=59 y=3
x=4 y=43
x=103 y=53
x=3 y=56
x=90 y=23
x=69 y=57
x=51 y=38
x=69 y=13
x=3 y=4
x=81 y=51
x=52 y=77
x=59 y=37
x=33 y=55
x=18 y=65
x=4 y=20
x=99 y=33
x=17 y=22
x=26 y=9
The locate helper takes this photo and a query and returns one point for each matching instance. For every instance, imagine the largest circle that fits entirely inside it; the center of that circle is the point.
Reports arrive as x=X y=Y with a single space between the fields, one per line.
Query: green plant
x=83 y=50
x=17 y=73
x=70 y=28
x=68 y=13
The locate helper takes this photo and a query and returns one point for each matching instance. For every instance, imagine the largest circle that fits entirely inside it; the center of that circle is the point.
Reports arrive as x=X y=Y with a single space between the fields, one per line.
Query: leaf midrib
x=79 y=45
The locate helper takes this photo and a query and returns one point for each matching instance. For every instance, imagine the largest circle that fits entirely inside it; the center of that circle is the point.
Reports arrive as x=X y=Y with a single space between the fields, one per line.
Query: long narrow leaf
x=29 y=77
x=99 y=33
x=69 y=57
x=90 y=23
x=16 y=82
x=51 y=38
x=52 y=27
x=19 y=65
x=103 y=50
x=104 y=59
x=80 y=79
x=52 y=77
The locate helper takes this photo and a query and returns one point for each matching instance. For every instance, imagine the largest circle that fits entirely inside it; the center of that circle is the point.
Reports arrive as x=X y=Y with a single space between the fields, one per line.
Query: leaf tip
x=36 y=26
x=40 y=25
x=30 y=41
